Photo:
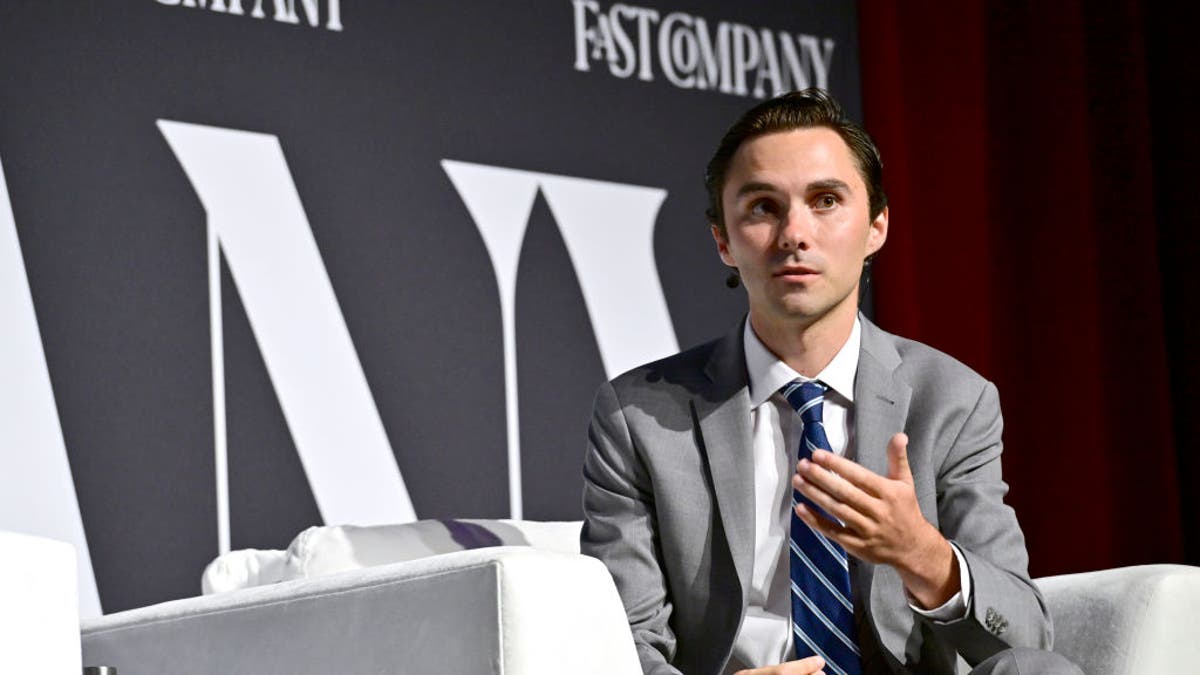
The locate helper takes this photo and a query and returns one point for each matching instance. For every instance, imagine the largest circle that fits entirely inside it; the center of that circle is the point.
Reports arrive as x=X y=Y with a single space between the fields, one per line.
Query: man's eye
x=762 y=207
x=826 y=201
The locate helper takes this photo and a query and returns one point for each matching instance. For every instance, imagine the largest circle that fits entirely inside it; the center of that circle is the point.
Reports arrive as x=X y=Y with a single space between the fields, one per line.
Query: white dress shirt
x=765 y=637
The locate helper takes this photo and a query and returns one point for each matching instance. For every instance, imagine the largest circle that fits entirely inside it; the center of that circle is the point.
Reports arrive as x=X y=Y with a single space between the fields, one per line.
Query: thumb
x=806 y=666
x=897 y=451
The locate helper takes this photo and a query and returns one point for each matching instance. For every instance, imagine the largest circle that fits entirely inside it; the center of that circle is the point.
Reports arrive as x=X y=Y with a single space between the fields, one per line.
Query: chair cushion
x=243 y=569
x=323 y=550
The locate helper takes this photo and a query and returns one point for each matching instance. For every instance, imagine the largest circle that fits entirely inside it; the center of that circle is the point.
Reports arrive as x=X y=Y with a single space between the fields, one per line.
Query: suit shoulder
x=684 y=370
x=656 y=396
x=934 y=372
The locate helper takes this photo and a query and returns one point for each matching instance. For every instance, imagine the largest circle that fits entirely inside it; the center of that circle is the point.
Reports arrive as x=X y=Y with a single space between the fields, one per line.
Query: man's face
x=798 y=226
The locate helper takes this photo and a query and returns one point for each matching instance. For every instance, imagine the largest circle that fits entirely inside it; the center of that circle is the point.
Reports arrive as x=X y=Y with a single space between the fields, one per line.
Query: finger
x=806 y=666
x=803 y=667
x=897 y=452
x=837 y=486
x=817 y=521
x=851 y=471
x=848 y=539
x=846 y=514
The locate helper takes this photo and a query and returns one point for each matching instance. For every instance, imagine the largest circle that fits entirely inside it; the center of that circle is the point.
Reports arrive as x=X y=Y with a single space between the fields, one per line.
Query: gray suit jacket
x=668 y=505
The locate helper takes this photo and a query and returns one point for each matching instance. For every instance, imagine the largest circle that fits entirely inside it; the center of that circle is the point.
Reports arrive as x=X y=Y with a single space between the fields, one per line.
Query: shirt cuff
x=958 y=605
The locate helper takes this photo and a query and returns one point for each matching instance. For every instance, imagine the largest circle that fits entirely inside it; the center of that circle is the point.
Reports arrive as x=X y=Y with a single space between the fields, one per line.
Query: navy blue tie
x=822 y=604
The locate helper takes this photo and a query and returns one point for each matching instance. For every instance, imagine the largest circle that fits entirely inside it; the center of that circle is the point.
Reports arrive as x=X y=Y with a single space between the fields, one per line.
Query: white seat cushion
x=318 y=551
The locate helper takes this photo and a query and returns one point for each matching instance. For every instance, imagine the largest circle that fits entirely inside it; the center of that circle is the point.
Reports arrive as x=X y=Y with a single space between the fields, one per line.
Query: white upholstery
x=318 y=551
x=39 y=609
x=527 y=611
x=508 y=610
x=243 y=569
x=1143 y=620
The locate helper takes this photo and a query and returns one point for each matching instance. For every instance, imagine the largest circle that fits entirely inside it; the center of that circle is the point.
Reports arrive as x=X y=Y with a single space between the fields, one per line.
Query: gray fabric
x=1132 y=620
x=668 y=505
x=1021 y=661
x=364 y=622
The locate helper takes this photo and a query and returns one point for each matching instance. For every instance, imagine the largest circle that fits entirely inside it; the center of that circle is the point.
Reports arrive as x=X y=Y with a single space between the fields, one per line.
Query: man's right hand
x=809 y=666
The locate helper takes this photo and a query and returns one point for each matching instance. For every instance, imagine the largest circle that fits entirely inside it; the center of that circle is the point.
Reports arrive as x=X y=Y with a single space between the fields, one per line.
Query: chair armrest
x=1127 y=620
x=39 y=610
x=511 y=610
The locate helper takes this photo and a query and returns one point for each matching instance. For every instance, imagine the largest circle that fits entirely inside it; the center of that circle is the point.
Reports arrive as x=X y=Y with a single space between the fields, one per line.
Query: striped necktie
x=822 y=605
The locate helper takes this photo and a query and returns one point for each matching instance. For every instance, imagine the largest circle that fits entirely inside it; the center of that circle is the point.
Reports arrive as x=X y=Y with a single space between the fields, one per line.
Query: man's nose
x=795 y=232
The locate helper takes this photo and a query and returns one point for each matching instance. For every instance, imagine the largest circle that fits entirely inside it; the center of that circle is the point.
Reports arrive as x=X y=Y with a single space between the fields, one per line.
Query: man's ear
x=877 y=234
x=722 y=246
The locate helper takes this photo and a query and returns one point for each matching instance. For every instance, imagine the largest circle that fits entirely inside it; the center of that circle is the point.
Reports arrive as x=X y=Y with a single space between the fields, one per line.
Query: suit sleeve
x=1006 y=609
x=620 y=529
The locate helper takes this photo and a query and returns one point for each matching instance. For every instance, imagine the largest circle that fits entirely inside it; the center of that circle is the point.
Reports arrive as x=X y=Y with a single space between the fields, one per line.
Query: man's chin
x=808 y=311
x=795 y=315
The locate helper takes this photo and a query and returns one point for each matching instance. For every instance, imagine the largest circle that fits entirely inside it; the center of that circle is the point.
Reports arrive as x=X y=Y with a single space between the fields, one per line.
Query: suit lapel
x=723 y=411
x=880 y=400
x=880 y=410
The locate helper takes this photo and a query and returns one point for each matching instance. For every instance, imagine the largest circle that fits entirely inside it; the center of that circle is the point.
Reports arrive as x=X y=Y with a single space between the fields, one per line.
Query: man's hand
x=810 y=666
x=881 y=521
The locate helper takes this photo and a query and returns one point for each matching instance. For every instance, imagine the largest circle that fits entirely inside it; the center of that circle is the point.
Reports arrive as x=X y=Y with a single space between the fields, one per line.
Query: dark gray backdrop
x=113 y=238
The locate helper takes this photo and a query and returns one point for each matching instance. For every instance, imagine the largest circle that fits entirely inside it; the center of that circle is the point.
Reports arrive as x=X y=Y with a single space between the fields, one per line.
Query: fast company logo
x=690 y=53
x=284 y=10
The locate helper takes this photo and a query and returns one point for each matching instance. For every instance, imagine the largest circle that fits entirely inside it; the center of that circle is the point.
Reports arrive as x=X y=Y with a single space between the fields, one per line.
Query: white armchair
x=510 y=610
x=1142 y=619
x=409 y=599
x=39 y=611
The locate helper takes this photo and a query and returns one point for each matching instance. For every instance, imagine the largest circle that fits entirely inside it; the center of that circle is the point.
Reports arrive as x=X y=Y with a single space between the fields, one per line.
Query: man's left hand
x=881 y=521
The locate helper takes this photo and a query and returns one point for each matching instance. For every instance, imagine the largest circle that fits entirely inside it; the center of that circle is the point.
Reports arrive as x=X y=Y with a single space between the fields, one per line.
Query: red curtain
x=1016 y=139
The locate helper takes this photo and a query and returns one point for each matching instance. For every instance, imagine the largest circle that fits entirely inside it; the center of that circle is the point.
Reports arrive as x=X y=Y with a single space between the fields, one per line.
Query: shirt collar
x=768 y=374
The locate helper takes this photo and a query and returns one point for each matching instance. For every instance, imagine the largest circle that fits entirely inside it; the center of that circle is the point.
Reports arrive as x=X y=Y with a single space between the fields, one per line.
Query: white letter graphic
x=37 y=493
x=609 y=232
x=608 y=229
x=256 y=218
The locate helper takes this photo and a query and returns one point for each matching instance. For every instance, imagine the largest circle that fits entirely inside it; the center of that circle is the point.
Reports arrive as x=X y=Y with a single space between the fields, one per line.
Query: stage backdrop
x=269 y=264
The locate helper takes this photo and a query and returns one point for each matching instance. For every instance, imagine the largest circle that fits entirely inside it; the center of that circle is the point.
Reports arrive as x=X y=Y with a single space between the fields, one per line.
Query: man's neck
x=805 y=348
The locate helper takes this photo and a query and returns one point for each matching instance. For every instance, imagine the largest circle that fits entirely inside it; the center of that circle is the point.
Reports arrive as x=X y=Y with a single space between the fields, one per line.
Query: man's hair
x=794 y=110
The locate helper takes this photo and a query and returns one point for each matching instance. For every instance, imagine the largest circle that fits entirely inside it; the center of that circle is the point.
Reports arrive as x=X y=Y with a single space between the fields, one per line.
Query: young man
x=809 y=493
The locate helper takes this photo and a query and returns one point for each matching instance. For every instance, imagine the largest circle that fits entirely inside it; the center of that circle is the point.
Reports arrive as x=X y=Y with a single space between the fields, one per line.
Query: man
x=887 y=547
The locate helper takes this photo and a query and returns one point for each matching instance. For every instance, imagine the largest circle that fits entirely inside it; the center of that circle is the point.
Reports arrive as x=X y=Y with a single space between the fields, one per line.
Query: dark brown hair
x=794 y=110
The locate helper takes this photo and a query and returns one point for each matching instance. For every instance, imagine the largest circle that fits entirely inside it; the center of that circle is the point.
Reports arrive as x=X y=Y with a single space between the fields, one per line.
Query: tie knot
x=806 y=397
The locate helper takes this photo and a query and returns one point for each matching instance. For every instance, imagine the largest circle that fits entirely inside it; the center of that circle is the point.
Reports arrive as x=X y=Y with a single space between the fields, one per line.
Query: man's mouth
x=796 y=271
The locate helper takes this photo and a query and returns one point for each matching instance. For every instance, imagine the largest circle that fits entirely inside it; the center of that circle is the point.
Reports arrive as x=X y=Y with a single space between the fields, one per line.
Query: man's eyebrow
x=835 y=184
x=754 y=186
x=829 y=184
